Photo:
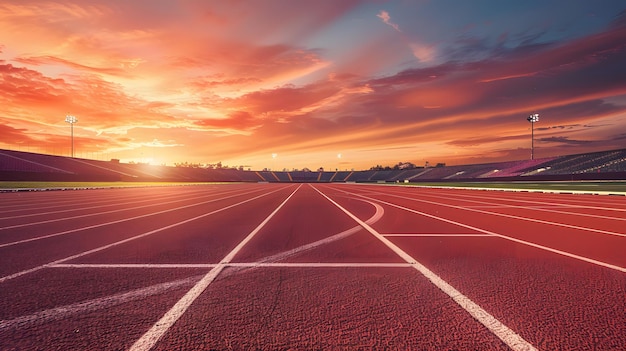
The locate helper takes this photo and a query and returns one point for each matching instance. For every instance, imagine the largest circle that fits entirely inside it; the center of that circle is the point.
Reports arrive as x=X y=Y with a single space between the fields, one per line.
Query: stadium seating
x=17 y=165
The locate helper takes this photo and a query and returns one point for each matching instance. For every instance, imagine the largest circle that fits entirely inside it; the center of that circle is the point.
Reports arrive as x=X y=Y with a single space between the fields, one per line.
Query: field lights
x=71 y=120
x=532 y=119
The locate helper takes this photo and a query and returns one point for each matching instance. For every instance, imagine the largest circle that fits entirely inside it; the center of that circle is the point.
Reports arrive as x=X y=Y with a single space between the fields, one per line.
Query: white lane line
x=435 y=235
x=235 y=264
x=504 y=215
x=518 y=190
x=564 y=253
x=153 y=200
x=133 y=265
x=536 y=208
x=36 y=203
x=34 y=269
x=541 y=203
x=123 y=210
x=510 y=206
x=152 y=336
x=116 y=221
x=322 y=265
x=79 y=308
x=504 y=333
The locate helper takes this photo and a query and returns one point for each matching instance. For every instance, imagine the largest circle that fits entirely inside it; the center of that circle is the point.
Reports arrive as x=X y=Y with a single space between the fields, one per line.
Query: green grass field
x=591 y=186
x=83 y=185
x=588 y=186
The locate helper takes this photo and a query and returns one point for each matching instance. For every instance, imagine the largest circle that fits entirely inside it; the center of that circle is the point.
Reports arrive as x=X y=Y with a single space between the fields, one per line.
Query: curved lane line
x=564 y=253
x=346 y=233
x=138 y=294
x=498 y=214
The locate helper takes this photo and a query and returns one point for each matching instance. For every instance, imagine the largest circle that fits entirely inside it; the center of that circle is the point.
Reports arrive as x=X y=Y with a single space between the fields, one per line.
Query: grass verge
x=591 y=186
x=11 y=185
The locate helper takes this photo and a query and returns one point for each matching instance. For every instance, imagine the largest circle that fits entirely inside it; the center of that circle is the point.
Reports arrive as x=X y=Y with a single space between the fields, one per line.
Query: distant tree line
x=399 y=166
x=403 y=166
x=207 y=165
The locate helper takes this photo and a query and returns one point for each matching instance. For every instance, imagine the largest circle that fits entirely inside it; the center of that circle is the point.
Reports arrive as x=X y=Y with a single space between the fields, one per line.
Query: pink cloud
x=385 y=17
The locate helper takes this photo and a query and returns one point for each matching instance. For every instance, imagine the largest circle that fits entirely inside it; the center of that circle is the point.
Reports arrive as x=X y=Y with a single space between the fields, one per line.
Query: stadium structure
x=26 y=166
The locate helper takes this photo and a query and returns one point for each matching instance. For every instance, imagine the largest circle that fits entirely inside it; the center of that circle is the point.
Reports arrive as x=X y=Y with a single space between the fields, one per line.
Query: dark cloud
x=564 y=140
x=561 y=127
x=479 y=141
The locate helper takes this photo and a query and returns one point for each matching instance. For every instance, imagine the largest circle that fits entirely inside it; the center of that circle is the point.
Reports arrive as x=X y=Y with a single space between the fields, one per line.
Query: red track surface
x=300 y=267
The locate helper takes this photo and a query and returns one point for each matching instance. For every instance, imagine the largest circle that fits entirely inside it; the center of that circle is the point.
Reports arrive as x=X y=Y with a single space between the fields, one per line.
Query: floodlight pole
x=71 y=120
x=532 y=119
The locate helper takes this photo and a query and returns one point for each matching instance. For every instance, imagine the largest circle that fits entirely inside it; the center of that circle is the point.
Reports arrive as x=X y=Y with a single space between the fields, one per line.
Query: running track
x=311 y=266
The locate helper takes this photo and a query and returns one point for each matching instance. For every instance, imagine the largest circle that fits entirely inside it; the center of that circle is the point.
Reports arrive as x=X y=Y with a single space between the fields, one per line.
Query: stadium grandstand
x=26 y=166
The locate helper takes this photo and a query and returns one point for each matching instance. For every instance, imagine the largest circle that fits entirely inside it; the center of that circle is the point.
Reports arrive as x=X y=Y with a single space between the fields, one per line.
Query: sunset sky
x=341 y=84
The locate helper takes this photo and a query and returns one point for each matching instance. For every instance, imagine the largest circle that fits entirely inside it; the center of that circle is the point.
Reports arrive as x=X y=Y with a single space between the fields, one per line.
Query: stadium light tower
x=532 y=119
x=71 y=120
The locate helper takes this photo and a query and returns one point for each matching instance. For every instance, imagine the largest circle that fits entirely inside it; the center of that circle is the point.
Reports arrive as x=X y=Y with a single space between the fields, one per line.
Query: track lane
x=29 y=228
x=577 y=241
x=151 y=337
x=37 y=213
x=105 y=321
x=326 y=309
x=554 y=302
x=203 y=241
x=608 y=218
x=570 y=303
x=37 y=254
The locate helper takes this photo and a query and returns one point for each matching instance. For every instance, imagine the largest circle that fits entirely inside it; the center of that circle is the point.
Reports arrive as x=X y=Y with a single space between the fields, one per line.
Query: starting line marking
x=132 y=265
x=241 y=264
x=504 y=333
x=436 y=234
